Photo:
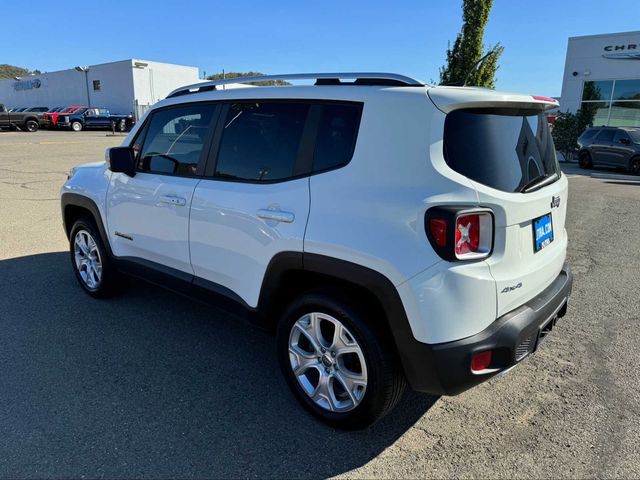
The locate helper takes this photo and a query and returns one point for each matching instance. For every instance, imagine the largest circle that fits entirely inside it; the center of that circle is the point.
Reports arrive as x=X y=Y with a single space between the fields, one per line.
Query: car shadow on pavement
x=150 y=384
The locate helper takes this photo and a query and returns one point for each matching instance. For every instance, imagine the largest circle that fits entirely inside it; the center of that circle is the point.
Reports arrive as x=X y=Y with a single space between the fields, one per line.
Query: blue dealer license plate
x=542 y=232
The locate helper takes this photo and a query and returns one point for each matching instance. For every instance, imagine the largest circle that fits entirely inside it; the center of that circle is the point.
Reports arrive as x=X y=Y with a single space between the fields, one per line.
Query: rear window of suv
x=506 y=149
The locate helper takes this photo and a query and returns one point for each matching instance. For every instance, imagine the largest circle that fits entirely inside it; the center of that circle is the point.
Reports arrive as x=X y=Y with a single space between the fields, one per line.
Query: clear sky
x=274 y=36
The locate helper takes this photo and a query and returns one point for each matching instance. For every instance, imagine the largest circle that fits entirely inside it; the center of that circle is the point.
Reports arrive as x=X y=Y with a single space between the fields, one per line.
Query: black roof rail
x=359 y=78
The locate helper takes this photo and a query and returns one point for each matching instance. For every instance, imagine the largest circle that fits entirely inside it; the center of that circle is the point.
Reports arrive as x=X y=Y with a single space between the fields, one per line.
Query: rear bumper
x=445 y=368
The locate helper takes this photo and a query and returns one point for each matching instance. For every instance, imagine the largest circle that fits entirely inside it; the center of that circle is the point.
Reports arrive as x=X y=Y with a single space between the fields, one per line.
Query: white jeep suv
x=389 y=232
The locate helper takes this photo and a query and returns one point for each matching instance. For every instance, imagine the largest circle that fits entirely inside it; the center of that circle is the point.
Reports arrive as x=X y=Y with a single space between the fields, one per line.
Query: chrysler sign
x=27 y=84
x=629 y=51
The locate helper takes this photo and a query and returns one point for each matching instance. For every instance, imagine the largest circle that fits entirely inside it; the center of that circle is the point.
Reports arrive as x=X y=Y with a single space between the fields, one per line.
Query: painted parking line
x=44 y=143
x=613 y=176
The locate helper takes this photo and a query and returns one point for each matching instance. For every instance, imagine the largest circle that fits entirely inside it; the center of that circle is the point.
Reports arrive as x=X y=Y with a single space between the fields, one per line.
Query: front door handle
x=276 y=215
x=173 y=200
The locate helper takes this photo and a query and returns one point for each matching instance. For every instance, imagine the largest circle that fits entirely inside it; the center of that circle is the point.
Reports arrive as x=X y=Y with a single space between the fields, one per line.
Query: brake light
x=438 y=227
x=460 y=233
x=467 y=234
x=474 y=235
x=544 y=99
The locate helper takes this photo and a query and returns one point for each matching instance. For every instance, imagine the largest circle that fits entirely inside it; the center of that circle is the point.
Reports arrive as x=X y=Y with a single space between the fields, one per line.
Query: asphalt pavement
x=151 y=384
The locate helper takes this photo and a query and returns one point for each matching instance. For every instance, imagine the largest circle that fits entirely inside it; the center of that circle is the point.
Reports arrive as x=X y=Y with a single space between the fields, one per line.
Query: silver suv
x=611 y=147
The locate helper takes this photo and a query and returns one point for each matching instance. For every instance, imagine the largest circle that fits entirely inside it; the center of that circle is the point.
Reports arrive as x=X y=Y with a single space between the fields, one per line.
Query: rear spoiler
x=448 y=99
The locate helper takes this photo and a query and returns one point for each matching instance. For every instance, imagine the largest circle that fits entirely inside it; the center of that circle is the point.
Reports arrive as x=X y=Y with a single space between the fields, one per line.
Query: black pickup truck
x=83 y=118
x=29 y=121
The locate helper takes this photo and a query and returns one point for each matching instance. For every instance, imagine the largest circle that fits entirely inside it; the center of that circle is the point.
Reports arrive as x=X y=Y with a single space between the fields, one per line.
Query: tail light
x=438 y=228
x=460 y=233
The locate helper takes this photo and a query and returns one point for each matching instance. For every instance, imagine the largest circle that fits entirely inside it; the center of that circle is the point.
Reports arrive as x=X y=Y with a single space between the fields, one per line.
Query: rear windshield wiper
x=539 y=182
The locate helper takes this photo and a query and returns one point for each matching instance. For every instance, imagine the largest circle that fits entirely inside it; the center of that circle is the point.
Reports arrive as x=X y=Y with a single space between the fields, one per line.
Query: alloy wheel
x=328 y=362
x=87 y=259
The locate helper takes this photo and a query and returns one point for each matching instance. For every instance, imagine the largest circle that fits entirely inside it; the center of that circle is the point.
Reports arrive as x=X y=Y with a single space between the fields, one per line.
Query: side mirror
x=122 y=160
x=625 y=141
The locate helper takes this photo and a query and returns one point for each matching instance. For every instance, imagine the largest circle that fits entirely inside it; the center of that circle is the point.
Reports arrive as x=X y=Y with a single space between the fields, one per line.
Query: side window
x=260 y=140
x=337 y=135
x=621 y=137
x=606 y=135
x=587 y=135
x=174 y=139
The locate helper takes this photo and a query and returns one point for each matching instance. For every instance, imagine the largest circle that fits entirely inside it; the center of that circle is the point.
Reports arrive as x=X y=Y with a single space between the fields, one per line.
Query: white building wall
x=123 y=84
x=69 y=87
x=116 y=86
x=153 y=81
x=585 y=58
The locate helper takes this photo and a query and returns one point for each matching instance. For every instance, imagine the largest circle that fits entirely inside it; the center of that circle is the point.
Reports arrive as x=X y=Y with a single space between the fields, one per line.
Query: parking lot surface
x=154 y=385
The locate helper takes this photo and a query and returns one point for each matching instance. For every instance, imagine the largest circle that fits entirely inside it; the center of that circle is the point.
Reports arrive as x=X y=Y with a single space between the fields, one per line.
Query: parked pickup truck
x=29 y=121
x=95 y=118
x=52 y=116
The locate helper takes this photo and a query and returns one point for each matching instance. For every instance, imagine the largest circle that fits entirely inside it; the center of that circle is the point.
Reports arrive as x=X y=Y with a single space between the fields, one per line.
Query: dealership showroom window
x=613 y=102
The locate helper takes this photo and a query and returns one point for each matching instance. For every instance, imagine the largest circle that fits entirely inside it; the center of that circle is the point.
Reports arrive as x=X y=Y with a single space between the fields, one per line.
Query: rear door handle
x=173 y=200
x=276 y=215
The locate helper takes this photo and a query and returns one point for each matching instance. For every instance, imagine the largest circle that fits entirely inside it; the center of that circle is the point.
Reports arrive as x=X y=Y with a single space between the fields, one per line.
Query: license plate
x=542 y=232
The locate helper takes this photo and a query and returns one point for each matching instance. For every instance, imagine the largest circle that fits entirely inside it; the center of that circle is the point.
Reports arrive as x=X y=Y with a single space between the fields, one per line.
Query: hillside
x=10 y=71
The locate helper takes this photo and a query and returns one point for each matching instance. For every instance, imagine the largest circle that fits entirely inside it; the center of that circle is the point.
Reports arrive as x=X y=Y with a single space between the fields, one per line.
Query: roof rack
x=359 y=78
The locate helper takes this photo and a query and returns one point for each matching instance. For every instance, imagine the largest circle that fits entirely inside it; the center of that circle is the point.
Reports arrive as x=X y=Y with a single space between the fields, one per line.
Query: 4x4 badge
x=511 y=289
x=555 y=201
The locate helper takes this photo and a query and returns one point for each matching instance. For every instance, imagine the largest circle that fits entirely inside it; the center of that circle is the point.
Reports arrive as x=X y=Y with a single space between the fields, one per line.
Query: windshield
x=506 y=149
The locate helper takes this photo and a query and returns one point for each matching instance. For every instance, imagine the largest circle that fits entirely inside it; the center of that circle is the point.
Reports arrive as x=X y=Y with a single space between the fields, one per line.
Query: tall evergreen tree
x=468 y=49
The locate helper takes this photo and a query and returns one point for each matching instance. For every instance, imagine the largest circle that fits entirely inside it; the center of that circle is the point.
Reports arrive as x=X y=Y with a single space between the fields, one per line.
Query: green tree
x=220 y=76
x=568 y=127
x=565 y=134
x=468 y=49
x=587 y=112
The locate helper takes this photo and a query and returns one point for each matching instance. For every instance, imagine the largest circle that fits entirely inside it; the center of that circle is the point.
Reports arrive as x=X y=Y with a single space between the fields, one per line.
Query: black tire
x=584 y=160
x=109 y=276
x=31 y=126
x=385 y=380
x=634 y=165
x=76 y=126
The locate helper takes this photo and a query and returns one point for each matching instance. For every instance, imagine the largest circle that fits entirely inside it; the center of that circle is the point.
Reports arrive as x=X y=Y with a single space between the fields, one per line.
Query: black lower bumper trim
x=445 y=368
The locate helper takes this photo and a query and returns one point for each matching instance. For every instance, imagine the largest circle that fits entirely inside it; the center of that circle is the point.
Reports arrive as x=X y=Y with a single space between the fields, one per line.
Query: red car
x=53 y=116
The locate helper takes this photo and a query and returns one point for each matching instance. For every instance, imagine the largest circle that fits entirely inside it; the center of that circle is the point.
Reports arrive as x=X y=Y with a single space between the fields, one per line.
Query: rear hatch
x=502 y=144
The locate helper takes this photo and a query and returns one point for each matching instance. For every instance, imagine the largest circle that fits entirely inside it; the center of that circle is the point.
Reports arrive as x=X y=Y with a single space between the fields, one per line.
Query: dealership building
x=602 y=73
x=127 y=86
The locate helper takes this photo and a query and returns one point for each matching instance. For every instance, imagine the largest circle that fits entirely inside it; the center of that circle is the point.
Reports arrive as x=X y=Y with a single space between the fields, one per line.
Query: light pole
x=86 y=79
